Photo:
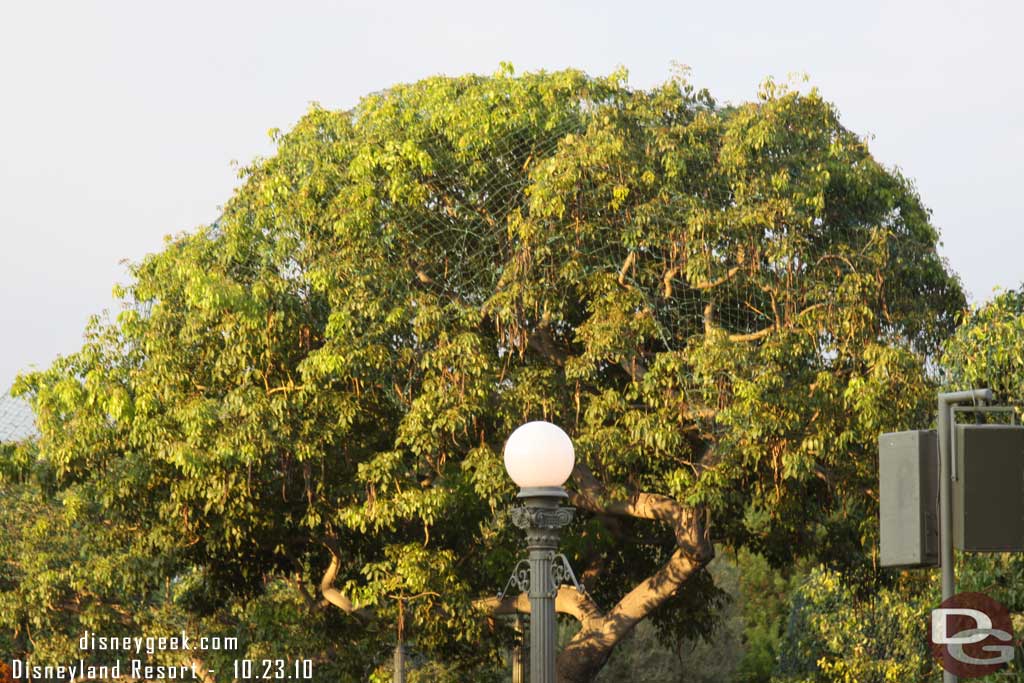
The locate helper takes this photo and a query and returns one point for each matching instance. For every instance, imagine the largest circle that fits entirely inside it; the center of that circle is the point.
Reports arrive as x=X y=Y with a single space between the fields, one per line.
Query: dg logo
x=972 y=635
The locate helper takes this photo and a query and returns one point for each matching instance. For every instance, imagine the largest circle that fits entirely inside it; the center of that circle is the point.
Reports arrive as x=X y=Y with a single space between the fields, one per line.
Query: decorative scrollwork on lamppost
x=520 y=579
x=561 y=572
x=539 y=457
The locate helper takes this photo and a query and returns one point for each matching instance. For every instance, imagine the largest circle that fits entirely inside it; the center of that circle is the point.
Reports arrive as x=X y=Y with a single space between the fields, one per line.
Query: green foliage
x=718 y=304
x=988 y=348
x=765 y=594
x=836 y=636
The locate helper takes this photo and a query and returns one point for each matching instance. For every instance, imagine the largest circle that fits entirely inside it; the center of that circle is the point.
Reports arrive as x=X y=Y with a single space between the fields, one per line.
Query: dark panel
x=988 y=492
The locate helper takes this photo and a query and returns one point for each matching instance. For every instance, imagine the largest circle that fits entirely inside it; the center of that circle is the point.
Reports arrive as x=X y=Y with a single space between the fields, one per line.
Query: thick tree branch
x=590 y=495
x=568 y=601
x=711 y=284
x=752 y=336
x=541 y=341
x=655 y=590
x=586 y=653
x=331 y=595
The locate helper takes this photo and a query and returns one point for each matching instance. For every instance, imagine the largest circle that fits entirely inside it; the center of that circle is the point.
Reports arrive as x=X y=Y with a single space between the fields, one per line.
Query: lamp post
x=539 y=457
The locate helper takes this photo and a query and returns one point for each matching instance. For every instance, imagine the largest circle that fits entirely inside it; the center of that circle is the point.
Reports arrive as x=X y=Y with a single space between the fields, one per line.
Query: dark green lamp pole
x=539 y=457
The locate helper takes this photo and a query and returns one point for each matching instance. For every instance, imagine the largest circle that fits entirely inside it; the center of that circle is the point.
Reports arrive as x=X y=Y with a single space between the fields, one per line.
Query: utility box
x=908 y=496
x=988 y=489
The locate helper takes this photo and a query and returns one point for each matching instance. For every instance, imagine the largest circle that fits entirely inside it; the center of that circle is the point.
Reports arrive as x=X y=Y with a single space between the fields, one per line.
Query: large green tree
x=723 y=306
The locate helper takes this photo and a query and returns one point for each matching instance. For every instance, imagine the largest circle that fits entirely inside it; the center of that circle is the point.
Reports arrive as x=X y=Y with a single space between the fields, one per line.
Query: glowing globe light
x=539 y=455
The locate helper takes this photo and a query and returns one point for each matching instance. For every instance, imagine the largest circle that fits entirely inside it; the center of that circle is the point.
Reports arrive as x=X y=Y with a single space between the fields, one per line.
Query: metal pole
x=945 y=429
x=399 y=663
x=518 y=660
x=543 y=519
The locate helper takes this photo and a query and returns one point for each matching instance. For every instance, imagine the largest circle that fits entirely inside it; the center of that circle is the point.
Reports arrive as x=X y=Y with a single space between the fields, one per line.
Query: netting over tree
x=723 y=306
x=16 y=419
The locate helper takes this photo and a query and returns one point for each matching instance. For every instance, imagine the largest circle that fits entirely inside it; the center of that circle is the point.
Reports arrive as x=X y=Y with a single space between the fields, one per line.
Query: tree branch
x=655 y=590
x=590 y=648
x=635 y=368
x=630 y=260
x=653 y=506
x=752 y=336
x=200 y=668
x=711 y=284
x=702 y=285
x=568 y=601
x=331 y=595
x=541 y=341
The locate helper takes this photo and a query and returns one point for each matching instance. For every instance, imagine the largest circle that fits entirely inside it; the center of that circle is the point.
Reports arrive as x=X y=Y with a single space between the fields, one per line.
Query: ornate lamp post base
x=543 y=519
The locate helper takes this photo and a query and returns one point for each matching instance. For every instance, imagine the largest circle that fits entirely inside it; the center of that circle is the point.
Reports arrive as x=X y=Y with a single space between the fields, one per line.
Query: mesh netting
x=16 y=419
x=693 y=219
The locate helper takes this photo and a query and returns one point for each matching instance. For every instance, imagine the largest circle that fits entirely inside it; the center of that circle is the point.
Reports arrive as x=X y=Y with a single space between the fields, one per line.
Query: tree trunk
x=587 y=653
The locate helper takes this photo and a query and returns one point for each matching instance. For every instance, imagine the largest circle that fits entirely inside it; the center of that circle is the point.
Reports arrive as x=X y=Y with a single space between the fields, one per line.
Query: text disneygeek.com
x=132 y=657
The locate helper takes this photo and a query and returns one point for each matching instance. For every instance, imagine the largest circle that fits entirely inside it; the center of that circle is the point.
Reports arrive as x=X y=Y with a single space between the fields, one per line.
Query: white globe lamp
x=539 y=457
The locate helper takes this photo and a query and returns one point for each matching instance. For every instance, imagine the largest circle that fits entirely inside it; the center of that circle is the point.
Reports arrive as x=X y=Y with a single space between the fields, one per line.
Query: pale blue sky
x=119 y=120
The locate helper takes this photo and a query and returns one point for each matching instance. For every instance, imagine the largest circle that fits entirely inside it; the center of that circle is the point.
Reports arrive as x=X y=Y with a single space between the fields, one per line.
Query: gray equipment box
x=908 y=496
x=988 y=488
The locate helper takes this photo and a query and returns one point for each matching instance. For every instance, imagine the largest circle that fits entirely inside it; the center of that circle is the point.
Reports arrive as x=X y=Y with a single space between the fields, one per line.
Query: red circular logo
x=971 y=635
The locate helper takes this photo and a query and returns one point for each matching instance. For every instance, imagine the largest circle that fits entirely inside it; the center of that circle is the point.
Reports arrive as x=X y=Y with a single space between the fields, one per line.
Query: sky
x=123 y=122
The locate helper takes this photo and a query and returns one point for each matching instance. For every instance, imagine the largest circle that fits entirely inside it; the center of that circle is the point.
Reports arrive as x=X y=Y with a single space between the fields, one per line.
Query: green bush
x=835 y=636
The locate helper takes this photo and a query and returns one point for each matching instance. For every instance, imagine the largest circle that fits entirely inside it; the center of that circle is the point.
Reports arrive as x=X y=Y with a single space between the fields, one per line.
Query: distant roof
x=17 y=421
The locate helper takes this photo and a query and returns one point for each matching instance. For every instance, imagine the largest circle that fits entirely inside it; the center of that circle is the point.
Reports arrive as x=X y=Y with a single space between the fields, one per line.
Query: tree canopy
x=988 y=348
x=302 y=406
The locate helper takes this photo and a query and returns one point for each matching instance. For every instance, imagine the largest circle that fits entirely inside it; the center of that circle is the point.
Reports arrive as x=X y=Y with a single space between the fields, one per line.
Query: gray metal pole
x=543 y=519
x=945 y=427
x=518 y=660
x=399 y=663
